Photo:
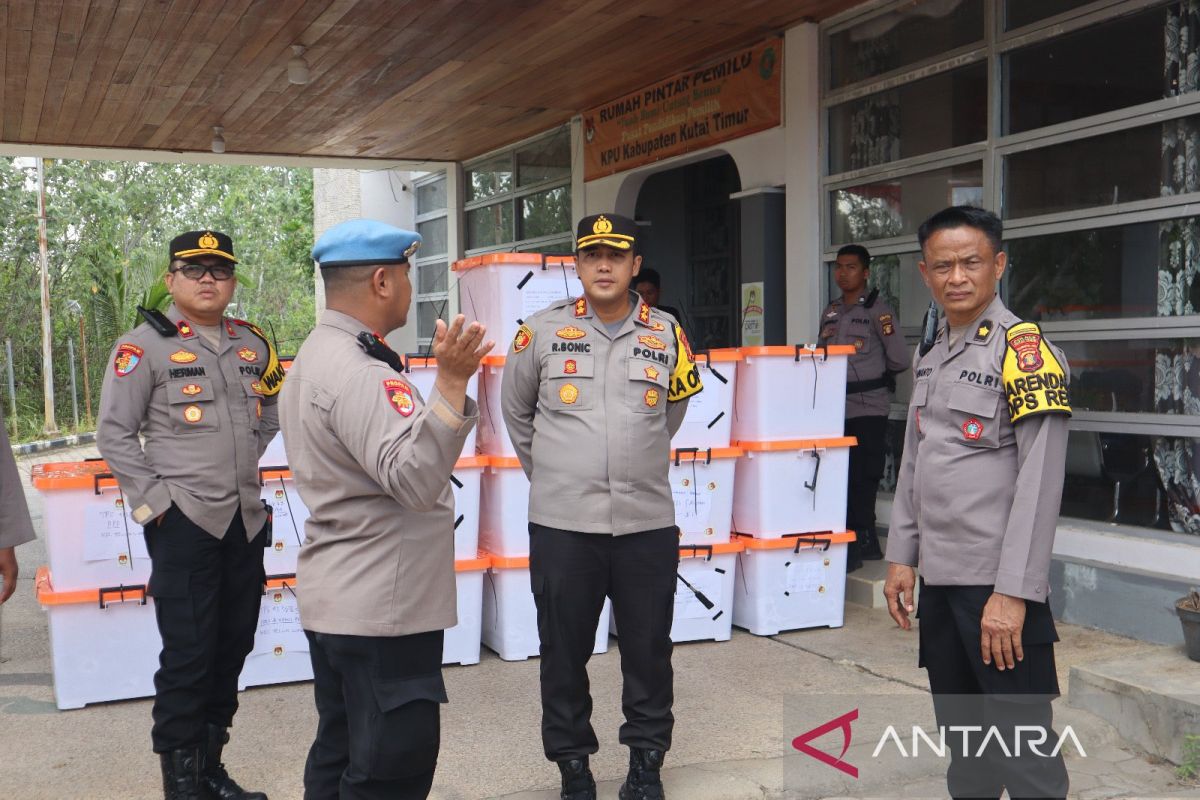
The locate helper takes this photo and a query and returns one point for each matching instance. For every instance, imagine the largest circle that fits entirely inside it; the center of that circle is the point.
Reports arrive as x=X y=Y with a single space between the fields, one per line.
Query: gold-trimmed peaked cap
x=202 y=243
x=613 y=230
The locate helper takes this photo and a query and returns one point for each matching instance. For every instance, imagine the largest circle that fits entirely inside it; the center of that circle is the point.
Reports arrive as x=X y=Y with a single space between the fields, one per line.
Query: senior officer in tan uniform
x=593 y=390
x=976 y=508
x=865 y=322
x=372 y=461
x=16 y=527
x=200 y=387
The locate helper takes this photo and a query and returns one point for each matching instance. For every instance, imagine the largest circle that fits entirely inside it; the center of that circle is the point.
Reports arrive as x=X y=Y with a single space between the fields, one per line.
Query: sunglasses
x=220 y=272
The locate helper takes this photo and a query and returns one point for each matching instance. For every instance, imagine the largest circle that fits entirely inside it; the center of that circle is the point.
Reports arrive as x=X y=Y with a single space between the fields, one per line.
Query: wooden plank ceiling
x=412 y=79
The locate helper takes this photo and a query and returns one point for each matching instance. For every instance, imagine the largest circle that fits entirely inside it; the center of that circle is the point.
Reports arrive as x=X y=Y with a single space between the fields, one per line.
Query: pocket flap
x=920 y=393
x=392 y=694
x=651 y=371
x=190 y=390
x=974 y=400
x=563 y=365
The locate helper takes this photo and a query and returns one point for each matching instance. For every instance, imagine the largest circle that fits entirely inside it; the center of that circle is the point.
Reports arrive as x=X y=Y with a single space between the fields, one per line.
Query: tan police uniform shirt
x=874 y=333
x=372 y=462
x=591 y=415
x=15 y=525
x=984 y=454
x=204 y=417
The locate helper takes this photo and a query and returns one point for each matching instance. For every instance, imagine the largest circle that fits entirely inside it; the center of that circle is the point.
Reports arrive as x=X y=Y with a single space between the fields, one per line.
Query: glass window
x=431 y=196
x=1023 y=12
x=902 y=36
x=431 y=278
x=428 y=313
x=1097 y=69
x=1104 y=272
x=898 y=206
x=1114 y=477
x=1120 y=375
x=433 y=237
x=491 y=225
x=937 y=113
x=546 y=160
x=1119 y=167
x=546 y=213
x=490 y=178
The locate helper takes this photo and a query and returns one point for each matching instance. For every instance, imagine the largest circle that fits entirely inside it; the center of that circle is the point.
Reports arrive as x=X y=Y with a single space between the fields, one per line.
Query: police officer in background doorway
x=867 y=323
x=593 y=390
x=372 y=460
x=201 y=388
x=976 y=510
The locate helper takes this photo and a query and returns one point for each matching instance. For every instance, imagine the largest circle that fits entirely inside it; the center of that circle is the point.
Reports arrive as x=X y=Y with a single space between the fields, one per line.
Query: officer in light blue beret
x=372 y=459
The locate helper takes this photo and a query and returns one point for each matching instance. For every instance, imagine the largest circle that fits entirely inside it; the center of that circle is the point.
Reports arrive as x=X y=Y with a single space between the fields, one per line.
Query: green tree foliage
x=109 y=224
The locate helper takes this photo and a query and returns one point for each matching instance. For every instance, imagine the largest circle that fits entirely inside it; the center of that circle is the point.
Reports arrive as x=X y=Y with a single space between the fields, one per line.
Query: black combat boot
x=643 y=781
x=214 y=780
x=181 y=774
x=577 y=780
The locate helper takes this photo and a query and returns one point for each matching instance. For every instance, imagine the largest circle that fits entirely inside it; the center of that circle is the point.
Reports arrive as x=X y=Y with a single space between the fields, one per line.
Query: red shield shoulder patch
x=127 y=359
x=522 y=339
x=1027 y=346
x=400 y=396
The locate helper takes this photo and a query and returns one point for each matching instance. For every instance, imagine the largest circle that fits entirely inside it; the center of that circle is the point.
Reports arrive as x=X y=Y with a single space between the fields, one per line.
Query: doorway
x=691 y=235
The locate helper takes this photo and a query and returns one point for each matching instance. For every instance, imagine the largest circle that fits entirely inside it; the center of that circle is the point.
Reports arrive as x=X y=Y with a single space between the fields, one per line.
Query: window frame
x=996 y=44
x=424 y=260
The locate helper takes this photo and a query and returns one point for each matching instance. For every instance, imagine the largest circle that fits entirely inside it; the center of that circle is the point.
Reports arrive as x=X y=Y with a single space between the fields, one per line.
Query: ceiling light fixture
x=218 y=140
x=297 y=67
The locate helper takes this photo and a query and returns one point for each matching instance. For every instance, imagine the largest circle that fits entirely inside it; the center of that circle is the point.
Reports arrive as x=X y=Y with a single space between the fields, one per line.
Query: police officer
x=372 y=460
x=593 y=390
x=649 y=287
x=15 y=525
x=201 y=388
x=976 y=509
x=864 y=321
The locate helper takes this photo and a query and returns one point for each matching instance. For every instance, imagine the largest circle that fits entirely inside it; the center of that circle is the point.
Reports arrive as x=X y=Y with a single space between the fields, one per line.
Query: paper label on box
x=109 y=532
x=289 y=513
x=806 y=574
x=709 y=583
x=279 y=629
x=693 y=502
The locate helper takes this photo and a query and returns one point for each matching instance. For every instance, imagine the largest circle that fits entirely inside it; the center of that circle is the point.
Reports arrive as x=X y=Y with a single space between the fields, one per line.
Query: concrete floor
x=738 y=706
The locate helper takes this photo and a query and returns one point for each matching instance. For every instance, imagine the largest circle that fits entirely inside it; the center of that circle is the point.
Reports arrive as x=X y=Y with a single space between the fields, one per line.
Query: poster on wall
x=753 y=321
x=729 y=98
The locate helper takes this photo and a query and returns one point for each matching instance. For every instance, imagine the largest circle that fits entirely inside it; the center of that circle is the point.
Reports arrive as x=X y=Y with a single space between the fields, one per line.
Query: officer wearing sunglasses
x=201 y=389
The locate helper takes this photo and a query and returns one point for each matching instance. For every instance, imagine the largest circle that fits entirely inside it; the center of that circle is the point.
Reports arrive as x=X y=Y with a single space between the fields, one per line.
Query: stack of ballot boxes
x=789 y=505
x=702 y=477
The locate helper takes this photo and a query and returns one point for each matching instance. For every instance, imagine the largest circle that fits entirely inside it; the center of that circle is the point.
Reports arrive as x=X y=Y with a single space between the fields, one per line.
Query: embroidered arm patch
x=685 y=378
x=1034 y=382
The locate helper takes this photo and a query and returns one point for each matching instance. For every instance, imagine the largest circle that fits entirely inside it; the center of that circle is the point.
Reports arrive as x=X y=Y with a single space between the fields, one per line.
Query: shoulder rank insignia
x=581 y=307
x=185 y=330
x=127 y=359
x=1034 y=381
x=685 y=377
x=644 y=313
x=399 y=395
x=570 y=332
x=523 y=338
x=984 y=330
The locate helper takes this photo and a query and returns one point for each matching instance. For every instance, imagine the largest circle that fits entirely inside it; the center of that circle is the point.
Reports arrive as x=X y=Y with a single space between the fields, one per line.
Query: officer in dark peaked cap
x=201 y=389
x=593 y=390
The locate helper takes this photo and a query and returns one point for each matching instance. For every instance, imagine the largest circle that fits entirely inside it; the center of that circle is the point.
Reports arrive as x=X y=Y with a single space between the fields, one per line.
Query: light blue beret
x=363 y=242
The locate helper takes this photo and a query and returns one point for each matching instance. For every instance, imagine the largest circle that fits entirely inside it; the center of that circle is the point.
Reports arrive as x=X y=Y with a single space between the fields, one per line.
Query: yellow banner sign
x=730 y=98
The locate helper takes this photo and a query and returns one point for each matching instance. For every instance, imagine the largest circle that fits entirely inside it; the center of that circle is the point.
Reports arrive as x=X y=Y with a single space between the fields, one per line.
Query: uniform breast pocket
x=647 y=386
x=974 y=410
x=570 y=384
x=253 y=403
x=191 y=406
